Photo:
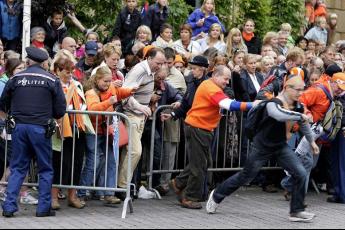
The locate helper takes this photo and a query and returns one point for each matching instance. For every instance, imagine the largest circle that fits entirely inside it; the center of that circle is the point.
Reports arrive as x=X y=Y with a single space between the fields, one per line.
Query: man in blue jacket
x=11 y=23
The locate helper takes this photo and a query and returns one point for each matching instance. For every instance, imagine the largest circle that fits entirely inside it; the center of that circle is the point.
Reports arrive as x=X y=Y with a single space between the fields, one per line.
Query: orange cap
x=179 y=59
x=339 y=78
x=297 y=72
x=147 y=49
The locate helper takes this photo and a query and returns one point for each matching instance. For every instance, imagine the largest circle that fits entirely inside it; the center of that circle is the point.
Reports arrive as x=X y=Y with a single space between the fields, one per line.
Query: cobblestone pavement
x=248 y=208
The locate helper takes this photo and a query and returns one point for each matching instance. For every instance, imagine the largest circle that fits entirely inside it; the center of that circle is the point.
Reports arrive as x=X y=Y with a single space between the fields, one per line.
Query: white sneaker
x=305 y=217
x=27 y=198
x=211 y=206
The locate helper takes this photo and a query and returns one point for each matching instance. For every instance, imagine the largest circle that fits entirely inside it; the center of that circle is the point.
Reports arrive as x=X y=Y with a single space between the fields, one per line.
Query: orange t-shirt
x=102 y=103
x=316 y=101
x=205 y=112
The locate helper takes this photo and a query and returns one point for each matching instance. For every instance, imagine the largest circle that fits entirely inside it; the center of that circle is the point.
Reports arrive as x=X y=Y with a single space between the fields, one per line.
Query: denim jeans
x=96 y=172
x=285 y=157
x=338 y=166
x=307 y=158
x=308 y=161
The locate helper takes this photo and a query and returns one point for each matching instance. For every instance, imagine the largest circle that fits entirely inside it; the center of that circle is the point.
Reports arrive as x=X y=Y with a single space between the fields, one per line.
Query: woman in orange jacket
x=102 y=97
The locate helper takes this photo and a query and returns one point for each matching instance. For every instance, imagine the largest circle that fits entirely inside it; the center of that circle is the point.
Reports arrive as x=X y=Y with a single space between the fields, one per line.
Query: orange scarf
x=72 y=97
x=247 y=36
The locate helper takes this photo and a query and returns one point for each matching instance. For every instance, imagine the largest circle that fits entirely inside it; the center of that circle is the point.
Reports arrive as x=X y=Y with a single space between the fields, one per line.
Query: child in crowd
x=56 y=31
x=202 y=19
x=127 y=23
x=318 y=32
x=156 y=16
x=287 y=28
x=235 y=42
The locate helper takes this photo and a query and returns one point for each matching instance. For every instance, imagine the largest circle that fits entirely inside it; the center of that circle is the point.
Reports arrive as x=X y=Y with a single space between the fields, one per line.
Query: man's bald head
x=221 y=76
x=69 y=44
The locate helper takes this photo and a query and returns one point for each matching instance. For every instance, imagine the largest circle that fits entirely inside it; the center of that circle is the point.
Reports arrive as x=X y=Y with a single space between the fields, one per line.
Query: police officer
x=33 y=98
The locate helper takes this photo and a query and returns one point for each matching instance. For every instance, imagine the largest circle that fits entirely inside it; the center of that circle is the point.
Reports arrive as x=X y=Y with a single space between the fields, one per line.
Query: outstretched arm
x=225 y=102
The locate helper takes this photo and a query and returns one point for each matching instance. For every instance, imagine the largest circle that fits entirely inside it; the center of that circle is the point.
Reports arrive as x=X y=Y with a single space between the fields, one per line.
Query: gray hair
x=36 y=30
x=221 y=70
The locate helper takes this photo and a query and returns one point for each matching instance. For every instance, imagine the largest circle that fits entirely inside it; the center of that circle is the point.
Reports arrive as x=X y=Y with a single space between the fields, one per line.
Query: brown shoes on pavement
x=190 y=204
x=111 y=200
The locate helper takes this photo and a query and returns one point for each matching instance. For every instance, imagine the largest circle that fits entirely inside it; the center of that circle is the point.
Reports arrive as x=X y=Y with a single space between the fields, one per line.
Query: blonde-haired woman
x=202 y=19
x=102 y=96
x=215 y=39
x=235 y=42
x=267 y=63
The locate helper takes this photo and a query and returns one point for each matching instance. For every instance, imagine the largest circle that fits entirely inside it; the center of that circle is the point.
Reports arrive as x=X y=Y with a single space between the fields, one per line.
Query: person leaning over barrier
x=33 y=98
x=198 y=65
x=201 y=121
x=136 y=107
x=271 y=141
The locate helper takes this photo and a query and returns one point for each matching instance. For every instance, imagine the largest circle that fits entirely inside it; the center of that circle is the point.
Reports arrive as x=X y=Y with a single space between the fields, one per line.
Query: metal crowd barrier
x=128 y=201
x=227 y=157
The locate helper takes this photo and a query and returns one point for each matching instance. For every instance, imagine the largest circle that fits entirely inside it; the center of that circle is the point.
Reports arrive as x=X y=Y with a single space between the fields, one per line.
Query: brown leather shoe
x=190 y=204
x=111 y=200
x=76 y=203
x=174 y=187
x=55 y=204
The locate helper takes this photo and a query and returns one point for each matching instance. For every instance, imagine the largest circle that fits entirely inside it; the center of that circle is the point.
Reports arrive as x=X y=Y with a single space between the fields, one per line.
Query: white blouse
x=220 y=46
x=194 y=48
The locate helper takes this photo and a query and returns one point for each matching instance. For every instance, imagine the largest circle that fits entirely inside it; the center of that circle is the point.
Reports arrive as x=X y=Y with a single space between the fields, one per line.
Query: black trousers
x=192 y=179
x=68 y=162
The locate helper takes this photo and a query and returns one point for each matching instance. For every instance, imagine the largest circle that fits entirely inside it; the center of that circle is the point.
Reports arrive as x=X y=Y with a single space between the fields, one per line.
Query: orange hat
x=339 y=78
x=297 y=72
x=147 y=49
x=179 y=59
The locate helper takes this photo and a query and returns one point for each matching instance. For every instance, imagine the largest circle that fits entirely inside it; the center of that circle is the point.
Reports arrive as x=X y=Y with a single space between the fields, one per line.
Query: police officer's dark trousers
x=29 y=141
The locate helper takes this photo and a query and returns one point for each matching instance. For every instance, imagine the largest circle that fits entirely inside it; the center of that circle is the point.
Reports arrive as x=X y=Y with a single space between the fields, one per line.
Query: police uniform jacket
x=33 y=97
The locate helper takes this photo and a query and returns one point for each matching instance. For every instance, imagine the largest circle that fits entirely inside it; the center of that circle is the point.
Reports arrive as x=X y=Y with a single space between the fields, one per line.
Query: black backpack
x=255 y=119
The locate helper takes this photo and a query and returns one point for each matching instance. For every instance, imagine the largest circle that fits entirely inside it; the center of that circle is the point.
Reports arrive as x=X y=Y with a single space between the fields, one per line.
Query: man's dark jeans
x=193 y=176
x=258 y=158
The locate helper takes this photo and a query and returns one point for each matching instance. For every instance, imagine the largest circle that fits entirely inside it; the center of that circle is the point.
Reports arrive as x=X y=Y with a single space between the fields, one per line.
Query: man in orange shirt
x=202 y=119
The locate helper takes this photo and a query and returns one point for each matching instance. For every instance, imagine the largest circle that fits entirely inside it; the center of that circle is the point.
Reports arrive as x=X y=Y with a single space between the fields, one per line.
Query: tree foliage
x=268 y=14
x=290 y=11
x=258 y=10
x=179 y=12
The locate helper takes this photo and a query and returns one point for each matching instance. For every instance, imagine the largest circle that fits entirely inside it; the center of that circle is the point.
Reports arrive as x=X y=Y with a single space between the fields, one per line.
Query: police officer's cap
x=36 y=54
